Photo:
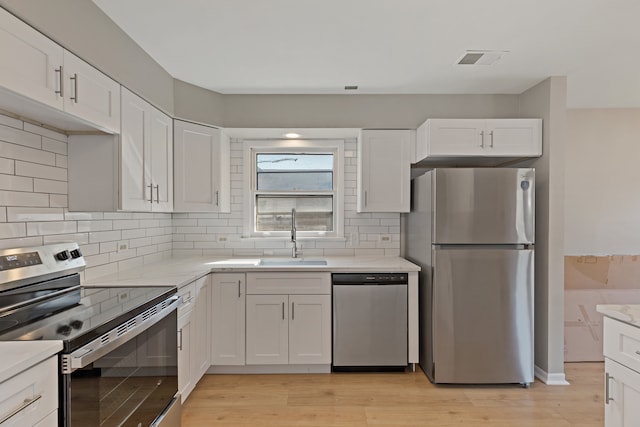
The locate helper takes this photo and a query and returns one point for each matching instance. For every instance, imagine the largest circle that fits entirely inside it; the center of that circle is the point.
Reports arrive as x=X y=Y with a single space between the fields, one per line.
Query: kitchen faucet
x=294 y=250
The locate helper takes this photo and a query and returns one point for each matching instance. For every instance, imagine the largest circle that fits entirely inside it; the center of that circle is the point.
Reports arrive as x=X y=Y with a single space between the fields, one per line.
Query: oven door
x=131 y=381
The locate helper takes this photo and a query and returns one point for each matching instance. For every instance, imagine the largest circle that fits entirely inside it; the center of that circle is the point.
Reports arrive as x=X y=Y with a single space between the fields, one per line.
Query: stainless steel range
x=118 y=366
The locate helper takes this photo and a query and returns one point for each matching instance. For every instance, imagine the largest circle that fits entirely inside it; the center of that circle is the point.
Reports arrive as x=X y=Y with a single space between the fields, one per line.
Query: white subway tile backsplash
x=134 y=234
x=58 y=201
x=40 y=171
x=90 y=249
x=24 y=214
x=3 y=214
x=13 y=230
x=6 y=243
x=106 y=247
x=45 y=132
x=61 y=161
x=7 y=165
x=54 y=146
x=96 y=225
x=54 y=227
x=15 y=183
x=19 y=152
x=126 y=224
x=49 y=186
x=19 y=198
x=19 y=137
x=80 y=238
x=104 y=236
x=10 y=121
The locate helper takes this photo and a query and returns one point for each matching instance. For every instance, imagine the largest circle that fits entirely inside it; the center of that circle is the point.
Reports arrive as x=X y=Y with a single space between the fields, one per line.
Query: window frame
x=253 y=147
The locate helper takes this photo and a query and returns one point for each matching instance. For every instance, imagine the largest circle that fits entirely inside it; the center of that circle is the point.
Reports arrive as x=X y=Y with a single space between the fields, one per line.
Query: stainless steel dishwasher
x=369 y=320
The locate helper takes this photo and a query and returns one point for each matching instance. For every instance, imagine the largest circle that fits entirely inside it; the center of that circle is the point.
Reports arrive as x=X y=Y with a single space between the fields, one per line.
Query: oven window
x=129 y=386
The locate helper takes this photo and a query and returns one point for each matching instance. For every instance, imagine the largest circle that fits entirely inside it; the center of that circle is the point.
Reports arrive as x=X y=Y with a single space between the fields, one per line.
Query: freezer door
x=483 y=316
x=484 y=206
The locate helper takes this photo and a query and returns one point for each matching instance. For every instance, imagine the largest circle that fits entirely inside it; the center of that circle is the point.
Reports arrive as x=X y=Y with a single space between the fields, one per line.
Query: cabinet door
x=135 y=181
x=455 y=137
x=513 y=137
x=310 y=329
x=32 y=63
x=185 y=381
x=228 y=319
x=623 y=386
x=384 y=170
x=161 y=160
x=201 y=168
x=201 y=331
x=267 y=329
x=91 y=95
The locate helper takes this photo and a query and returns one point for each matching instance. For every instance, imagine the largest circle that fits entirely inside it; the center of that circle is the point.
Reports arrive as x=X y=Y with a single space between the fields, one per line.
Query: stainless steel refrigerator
x=472 y=232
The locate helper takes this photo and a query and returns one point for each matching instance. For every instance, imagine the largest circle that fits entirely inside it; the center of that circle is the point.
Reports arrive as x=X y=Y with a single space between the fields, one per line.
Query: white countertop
x=20 y=355
x=628 y=313
x=180 y=271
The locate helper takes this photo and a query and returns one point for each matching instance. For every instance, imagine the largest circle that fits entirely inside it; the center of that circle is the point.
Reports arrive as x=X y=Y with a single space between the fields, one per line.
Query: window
x=300 y=175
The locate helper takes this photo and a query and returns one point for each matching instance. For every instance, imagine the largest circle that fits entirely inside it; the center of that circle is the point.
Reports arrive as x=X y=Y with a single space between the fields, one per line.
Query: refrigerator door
x=483 y=316
x=484 y=206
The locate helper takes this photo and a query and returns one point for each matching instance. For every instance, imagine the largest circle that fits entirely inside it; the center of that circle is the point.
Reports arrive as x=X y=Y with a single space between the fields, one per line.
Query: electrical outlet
x=222 y=238
x=385 y=238
x=123 y=296
x=122 y=246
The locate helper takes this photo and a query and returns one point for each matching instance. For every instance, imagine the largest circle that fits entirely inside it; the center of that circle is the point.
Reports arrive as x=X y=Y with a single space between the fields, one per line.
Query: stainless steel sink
x=291 y=261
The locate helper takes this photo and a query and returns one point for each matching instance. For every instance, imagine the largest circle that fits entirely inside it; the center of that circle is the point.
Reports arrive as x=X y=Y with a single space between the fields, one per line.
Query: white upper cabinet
x=440 y=139
x=38 y=69
x=91 y=95
x=146 y=144
x=384 y=174
x=32 y=64
x=201 y=158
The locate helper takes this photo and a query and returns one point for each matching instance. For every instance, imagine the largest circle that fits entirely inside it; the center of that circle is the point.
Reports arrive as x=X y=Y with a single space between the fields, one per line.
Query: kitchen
x=153 y=236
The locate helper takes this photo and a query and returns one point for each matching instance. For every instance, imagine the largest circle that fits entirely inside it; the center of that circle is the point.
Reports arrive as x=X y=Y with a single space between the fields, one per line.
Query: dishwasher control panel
x=370 y=278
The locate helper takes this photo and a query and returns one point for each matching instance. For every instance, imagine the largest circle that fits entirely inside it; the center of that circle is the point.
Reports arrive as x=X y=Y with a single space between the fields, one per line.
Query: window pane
x=295 y=181
x=313 y=213
x=290 y=171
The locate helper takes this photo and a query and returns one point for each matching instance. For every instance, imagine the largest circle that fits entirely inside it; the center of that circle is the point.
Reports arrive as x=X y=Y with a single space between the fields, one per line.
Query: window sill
x=299 y=239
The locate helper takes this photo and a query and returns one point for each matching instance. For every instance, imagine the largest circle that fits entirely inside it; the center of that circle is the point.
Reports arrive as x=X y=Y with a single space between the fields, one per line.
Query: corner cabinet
x=622 y=373
x=193 y=335
x=228 y=319
x=455 y=138
x=384 y=170
x=132 y=171
x=288 y=318
x=201 y=168
x=41 y=70
x=146 y=144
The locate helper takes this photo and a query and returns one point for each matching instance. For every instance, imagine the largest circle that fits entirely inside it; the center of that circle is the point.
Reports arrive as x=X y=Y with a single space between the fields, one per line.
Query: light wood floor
x=395 y=399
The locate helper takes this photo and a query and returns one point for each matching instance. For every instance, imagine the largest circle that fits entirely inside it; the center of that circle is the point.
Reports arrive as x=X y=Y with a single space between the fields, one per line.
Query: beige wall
x=548 y=101
x=82 y=28
x=602 y=176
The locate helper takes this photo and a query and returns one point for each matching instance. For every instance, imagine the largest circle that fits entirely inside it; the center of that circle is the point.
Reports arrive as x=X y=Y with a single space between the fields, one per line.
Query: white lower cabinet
x=193 y=335
x=284 y=327
x=622 y=395
x=31 y=397
x=228 y=319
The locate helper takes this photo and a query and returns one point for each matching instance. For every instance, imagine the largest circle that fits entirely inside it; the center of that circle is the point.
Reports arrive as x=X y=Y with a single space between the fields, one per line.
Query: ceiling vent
x=481 y=57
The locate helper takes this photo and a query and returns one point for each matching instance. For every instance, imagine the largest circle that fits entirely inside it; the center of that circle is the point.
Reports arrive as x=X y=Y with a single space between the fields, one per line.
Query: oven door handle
x=118 y=336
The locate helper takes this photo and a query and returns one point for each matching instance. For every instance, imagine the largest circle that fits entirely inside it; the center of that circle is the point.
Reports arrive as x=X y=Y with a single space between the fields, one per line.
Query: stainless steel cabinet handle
x=607 y=397
x=187 y=301
x=217 y=198
x=150 y=186
x=481 y=139
x=25 y=405
x=239 y=291
x=74 y=98
x=491 y=139
x=283 y=311
x=365 y=198
x=158 y=193
x=60 y=82
x=180 y=339
x=293 y=310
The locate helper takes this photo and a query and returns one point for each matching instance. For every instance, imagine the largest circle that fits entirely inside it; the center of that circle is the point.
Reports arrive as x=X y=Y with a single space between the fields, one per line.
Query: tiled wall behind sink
x=33 y=206
x=376 y=234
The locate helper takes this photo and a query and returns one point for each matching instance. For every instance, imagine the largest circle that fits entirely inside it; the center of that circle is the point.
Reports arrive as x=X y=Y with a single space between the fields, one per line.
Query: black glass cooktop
x=99 y=310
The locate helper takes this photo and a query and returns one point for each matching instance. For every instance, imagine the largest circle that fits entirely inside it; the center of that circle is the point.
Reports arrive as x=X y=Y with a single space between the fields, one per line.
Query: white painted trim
x=550 y=379
x=270 y=369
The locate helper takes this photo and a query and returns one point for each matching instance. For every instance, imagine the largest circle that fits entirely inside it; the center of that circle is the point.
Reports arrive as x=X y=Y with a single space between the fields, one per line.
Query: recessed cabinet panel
x=135 y=151
x=622 y=394
x=267 y=329
x=228 y=319
x=202 y=181
x=310 y=329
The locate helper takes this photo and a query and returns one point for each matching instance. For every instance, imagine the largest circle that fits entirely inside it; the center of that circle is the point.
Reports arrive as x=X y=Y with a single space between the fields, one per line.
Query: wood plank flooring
x=393 y=399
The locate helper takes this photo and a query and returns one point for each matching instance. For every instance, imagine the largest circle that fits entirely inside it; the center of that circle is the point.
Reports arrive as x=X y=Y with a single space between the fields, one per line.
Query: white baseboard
x=550 y=379
x=270 y=369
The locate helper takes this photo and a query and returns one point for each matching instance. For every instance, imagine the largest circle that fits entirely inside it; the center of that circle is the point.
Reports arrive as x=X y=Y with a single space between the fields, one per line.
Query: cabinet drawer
x=288 y=283
x=38 y=385
x=188 y=294
x=622 y=343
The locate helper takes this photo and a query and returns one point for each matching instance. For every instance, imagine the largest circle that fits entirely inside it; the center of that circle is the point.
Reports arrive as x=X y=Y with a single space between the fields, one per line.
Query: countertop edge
x=19 y=356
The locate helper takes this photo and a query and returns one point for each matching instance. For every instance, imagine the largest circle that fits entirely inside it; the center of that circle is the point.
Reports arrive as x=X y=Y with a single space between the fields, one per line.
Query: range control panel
x=8 y=262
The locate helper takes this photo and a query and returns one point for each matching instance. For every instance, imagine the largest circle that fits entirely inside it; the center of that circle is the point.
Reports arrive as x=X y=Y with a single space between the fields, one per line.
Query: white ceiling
x=392 y=46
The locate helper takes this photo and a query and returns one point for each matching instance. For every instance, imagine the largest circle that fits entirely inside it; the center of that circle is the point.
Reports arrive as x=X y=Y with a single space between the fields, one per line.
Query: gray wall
x=548 y=101
x=82 y=28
